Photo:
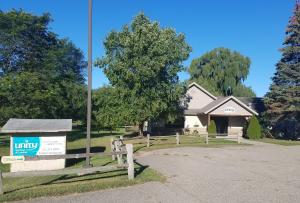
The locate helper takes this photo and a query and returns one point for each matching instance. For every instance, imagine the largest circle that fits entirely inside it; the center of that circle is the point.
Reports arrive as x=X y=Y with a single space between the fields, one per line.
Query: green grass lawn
x=26 y=188
x=280 y=142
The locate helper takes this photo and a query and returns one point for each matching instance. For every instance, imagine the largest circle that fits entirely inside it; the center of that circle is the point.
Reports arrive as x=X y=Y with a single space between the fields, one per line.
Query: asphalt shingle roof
x=14 y=125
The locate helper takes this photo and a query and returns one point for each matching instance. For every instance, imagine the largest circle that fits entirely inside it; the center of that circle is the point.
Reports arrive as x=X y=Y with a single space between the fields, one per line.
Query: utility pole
x=89 y=105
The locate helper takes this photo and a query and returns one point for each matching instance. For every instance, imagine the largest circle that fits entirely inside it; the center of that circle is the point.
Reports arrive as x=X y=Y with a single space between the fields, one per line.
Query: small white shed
x=31 y=137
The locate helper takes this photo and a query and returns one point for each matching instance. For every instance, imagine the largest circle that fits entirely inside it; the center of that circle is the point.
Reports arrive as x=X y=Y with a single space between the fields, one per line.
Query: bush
x=254 y=129
x=212 y=129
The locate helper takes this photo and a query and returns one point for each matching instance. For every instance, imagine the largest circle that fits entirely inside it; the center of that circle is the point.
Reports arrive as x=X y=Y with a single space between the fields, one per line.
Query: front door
x=221 y=124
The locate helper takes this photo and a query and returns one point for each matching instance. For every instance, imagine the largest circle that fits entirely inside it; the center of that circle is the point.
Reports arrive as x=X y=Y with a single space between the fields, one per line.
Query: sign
x=12 y=159
x=35 y=145
x=229 y=109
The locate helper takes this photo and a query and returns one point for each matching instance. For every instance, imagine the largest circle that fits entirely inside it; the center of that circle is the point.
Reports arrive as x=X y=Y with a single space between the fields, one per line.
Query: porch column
x=208 y=119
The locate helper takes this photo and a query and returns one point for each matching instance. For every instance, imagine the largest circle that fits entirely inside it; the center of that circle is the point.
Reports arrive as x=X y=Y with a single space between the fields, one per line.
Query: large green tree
x=107 y=108
x=41 y=76
x=283 y=99
x=222 y=72
x=142 y=61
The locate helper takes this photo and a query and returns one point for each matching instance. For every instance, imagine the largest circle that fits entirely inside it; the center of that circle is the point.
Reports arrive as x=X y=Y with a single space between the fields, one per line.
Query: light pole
x=89 y=105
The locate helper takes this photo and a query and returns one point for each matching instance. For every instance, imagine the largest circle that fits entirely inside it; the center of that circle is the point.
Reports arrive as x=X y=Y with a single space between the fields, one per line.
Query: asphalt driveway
x=258 y=173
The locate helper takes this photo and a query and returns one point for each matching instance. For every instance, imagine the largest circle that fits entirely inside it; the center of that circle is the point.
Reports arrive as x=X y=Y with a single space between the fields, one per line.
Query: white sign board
x=12 y=159
x=34 y=145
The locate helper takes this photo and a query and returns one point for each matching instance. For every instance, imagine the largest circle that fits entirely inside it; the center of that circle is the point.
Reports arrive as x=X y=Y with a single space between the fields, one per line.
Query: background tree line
x=42 y=76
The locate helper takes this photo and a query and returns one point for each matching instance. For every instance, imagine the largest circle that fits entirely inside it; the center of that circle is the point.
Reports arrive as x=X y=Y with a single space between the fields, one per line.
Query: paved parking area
x=257 y=173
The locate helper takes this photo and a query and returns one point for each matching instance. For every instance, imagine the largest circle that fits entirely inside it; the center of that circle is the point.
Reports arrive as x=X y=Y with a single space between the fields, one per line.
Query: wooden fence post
x=118 y=147
x=1 y=184
x=177 y=139
x=238 y=138
x=121 y=137
x=112 y=146
x=148 y=140
x=129 y=149
x=206 y=138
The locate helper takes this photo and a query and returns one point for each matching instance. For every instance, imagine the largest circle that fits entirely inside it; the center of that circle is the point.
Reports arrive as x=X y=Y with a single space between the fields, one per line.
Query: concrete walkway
x=257 y=173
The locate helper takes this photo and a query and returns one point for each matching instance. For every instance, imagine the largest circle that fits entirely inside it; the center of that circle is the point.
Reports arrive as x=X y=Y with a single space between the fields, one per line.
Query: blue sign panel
x=26 y=146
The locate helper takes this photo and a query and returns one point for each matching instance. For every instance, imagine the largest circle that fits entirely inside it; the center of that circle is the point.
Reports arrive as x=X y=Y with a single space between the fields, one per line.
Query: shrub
x=212 y=129
x=254 y=129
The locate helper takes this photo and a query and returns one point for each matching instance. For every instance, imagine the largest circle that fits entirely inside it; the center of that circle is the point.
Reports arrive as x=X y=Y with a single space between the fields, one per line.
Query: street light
x=89 y=105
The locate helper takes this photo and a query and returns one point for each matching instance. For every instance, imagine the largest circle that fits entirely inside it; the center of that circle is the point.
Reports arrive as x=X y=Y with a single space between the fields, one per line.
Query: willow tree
x=222 y=72
x=283 y=99
x=142 y=61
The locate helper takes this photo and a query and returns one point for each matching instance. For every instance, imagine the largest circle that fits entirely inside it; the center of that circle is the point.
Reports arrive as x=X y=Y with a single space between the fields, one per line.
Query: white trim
x=236 y=100
x=202 y=89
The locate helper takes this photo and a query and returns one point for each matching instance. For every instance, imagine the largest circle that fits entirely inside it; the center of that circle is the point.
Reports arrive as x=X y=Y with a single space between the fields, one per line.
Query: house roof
x=202 y=89
x=213 y=104
x=14 y=125
x=192 y=112
x=255 y=103
x=221 y=100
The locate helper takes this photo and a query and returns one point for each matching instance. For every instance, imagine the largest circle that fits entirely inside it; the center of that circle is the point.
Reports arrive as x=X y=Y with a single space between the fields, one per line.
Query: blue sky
x=254 y=28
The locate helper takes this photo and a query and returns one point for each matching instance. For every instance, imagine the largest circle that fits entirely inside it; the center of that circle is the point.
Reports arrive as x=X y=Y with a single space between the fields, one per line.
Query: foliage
x=212 y=129
x=31 y=95
x=253 y=129
x=283 y=99
x=107 y=108
x=41 y=76
x=24 y=39
x=222 y=72
x=142 y=62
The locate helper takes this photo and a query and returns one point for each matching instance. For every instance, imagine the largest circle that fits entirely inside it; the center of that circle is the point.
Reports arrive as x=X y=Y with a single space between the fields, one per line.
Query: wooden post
x=148 y=140
x=238 y=138
x=129 y=149
x=206 y=138
x=121 y=137
x=177 y=139
x=112 y=146
x=208 y=120
x=1 y=184
x=118 y=149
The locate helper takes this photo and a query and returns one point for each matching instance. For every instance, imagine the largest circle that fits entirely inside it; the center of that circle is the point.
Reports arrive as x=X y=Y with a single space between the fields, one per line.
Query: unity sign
x=35 y=137
x=37 y=145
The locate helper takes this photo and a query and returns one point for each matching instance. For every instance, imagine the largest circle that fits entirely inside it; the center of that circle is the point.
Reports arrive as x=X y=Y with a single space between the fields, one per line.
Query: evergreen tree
x=212 y=129
x=283 y=99
x=254 y=129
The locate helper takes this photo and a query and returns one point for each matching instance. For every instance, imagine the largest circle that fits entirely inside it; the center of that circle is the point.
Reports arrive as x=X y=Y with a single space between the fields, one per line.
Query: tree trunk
x=141 y=125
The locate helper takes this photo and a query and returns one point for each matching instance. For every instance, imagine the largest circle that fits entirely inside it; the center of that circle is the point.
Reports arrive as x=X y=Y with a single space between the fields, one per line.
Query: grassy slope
x=25 y=188
x=280 y=142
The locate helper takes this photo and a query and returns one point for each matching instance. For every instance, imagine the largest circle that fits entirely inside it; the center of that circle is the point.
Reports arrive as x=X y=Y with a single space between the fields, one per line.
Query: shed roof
x=14 y=125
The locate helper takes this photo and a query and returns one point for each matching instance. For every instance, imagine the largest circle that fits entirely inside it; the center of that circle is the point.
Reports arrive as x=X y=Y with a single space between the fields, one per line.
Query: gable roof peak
x=202 y=89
